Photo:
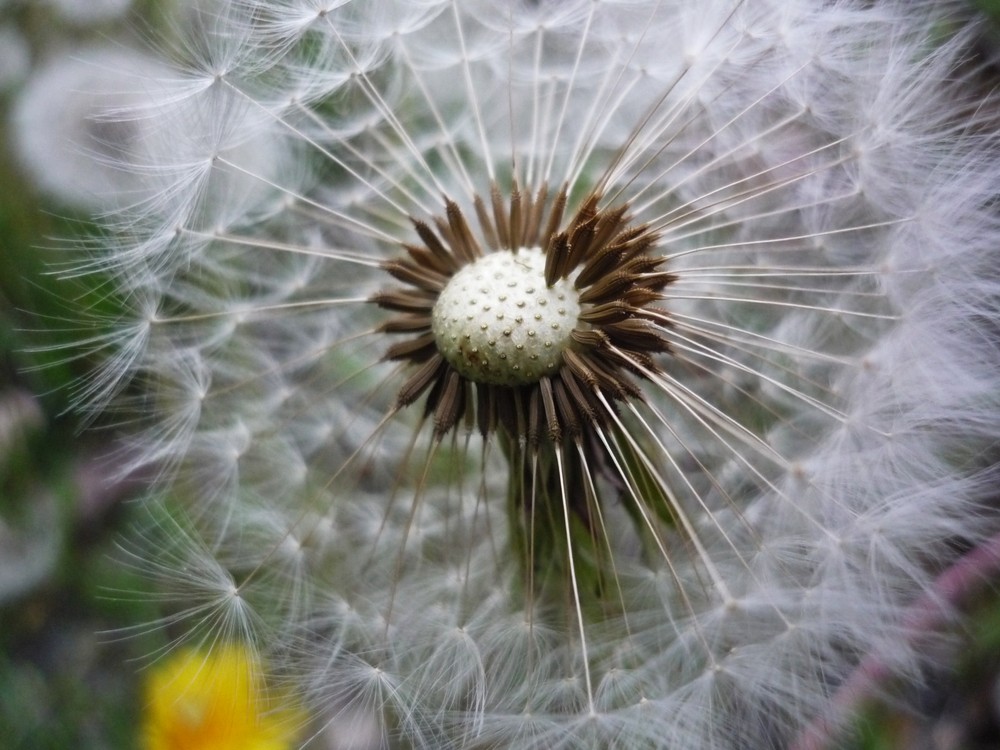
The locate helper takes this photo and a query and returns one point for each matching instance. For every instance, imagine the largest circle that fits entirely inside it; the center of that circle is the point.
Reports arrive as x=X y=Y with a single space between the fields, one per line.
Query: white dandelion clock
x=104 y=127
x=15 y=57
x=586 y=374
x=90 y=12
x=64 y=144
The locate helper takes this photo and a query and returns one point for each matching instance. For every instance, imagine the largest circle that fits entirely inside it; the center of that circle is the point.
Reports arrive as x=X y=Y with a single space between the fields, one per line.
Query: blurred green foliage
x=990 y=7
x=68 y=677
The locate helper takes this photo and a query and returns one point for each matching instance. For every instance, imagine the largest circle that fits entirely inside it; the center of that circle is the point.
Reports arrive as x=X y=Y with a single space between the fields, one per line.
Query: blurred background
x=75 y=645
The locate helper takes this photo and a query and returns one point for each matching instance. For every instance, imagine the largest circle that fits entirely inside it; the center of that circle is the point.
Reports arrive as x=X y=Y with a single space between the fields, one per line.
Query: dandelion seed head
x=15 y=60
x=763 y=418
x=66 y=144
x=89 y=13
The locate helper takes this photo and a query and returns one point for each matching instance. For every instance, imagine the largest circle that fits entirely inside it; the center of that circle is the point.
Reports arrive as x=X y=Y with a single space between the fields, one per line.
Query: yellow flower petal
x=216 y=701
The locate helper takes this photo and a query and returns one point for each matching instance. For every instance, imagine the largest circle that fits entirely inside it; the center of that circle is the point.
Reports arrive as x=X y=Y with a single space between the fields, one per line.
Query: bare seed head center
x=535 y=325
x=498 y=322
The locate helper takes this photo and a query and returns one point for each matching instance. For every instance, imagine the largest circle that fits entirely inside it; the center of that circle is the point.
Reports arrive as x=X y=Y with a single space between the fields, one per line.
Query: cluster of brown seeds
x=596 y=284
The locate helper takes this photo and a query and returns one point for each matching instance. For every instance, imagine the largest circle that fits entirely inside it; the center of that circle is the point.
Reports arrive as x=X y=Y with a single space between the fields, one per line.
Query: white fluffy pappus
x=773 y=424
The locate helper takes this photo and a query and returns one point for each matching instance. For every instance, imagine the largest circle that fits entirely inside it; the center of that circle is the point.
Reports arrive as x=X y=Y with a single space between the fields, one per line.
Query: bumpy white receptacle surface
x=497 y=322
